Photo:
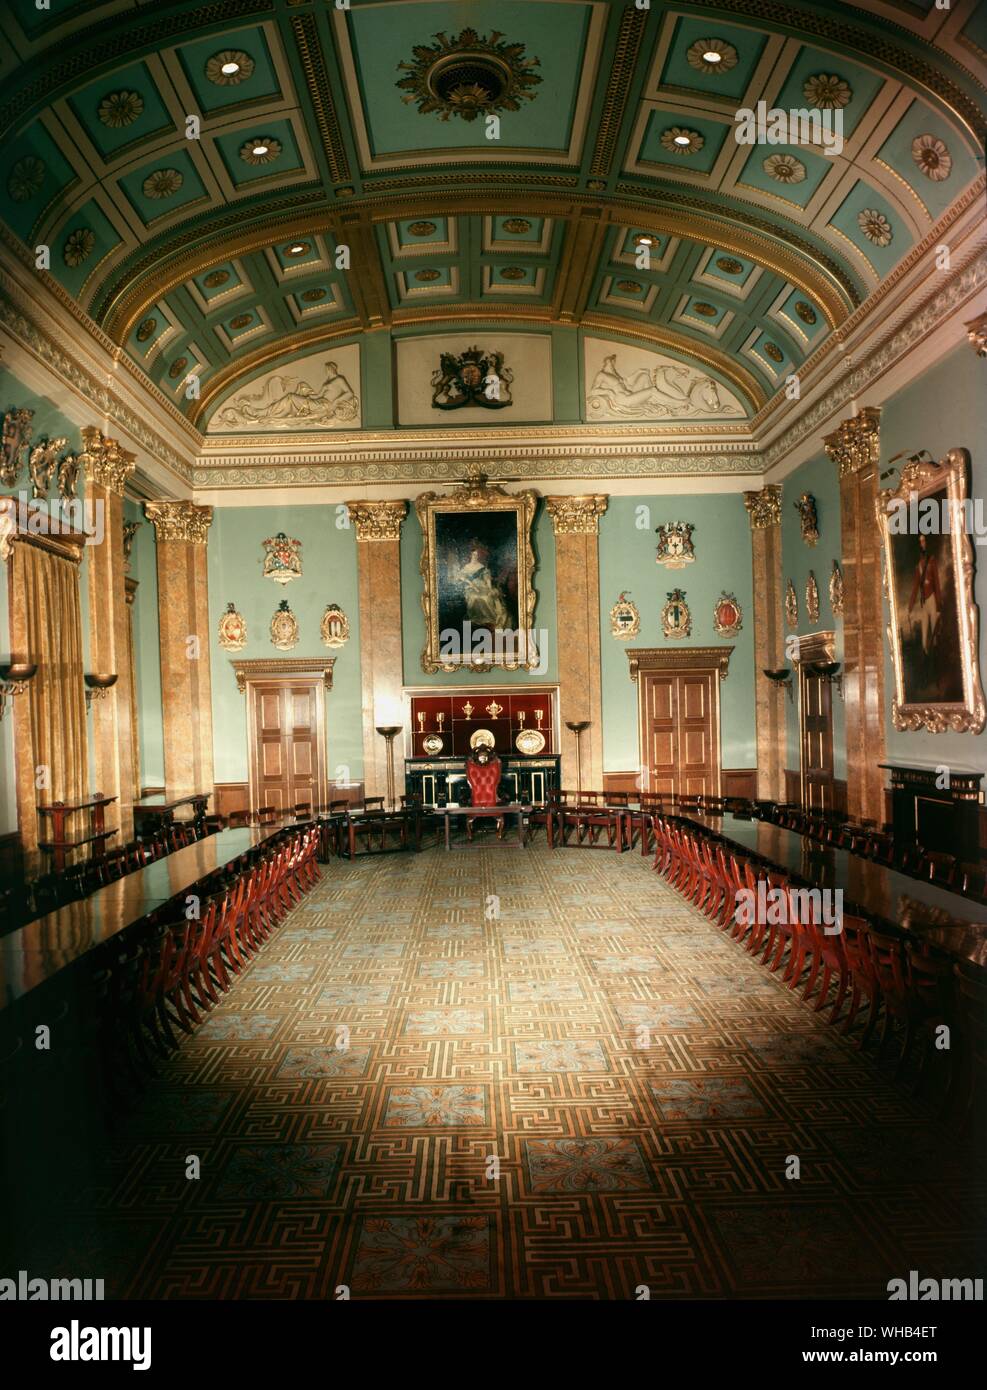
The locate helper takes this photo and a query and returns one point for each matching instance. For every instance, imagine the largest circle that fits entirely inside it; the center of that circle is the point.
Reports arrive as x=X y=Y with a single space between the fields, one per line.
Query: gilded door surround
x=645 y=660
x=764 y=511
x=576 y=523
x=855 y=448
x=273 y=668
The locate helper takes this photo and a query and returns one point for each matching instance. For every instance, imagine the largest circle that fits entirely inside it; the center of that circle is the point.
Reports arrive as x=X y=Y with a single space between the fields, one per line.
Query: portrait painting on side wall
x=477 y=566
x=934 y=622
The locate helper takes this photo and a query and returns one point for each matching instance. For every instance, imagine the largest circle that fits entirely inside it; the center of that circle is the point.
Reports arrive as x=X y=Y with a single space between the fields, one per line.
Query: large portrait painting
x=477 y=568
x=928 y=575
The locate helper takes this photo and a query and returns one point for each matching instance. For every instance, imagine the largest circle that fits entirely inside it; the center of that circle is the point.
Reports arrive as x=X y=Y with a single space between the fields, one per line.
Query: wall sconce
x=97 y=685
x=781 y=677
x=390 y=732
x=14 y=676
x=829 y=671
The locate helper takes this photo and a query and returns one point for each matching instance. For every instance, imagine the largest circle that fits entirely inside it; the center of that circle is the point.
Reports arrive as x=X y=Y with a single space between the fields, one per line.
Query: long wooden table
x=37 y=951
x=159 y=810
x=952 y=923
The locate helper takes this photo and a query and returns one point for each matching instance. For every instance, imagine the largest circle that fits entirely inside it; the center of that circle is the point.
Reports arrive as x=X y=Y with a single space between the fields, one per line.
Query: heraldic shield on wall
x=475 y=377
x=675 y=547
x=282 y=558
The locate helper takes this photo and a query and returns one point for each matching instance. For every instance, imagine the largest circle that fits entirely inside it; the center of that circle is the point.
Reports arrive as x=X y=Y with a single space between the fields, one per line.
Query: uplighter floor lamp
x=389 y=732
x=578 y=726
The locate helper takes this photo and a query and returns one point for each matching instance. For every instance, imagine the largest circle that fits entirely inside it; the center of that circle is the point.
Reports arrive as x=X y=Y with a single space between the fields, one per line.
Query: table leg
x=447 y=818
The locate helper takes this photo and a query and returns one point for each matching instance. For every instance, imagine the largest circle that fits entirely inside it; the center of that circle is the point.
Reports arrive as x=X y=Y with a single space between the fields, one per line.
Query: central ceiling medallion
x=468 y=75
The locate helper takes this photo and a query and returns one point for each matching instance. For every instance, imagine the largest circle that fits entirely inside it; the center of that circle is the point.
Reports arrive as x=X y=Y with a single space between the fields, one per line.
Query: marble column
x=378 y=550
x=182 y=531
x=764 y=511
x=855 y=448
x=576 y=521
x=106 y=468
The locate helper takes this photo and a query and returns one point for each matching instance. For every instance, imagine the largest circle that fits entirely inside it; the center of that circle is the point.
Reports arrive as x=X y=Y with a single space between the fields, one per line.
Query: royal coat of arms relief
x=675 y=547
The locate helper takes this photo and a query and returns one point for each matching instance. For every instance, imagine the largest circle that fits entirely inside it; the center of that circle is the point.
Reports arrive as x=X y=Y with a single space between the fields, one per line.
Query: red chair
x=484 y=780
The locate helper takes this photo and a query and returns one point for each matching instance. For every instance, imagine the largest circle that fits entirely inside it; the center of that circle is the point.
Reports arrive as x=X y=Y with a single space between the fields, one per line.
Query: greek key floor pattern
x=507 y=1074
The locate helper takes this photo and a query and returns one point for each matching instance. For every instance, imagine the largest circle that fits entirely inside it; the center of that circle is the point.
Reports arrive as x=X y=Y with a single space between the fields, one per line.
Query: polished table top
x=38 y=950
x=949 y=921
x=161 y=802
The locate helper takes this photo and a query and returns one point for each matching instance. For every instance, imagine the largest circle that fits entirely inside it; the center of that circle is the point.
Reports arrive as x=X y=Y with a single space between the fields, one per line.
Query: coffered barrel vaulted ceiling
x=323 y=128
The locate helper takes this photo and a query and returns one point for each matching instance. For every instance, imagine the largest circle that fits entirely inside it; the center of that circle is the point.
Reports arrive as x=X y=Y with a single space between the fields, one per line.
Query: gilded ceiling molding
x=764 y=507
x=679 y=658
x=266 y=668
x=377 y=521
x=179 y=521
x=320 y=94
x=856 y=441
x=577 y=516
x=104 y=462
x=976 y=331
x=632 y=26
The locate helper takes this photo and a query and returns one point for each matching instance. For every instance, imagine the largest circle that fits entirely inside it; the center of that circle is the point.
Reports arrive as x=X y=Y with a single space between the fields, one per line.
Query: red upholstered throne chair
x=483 y=775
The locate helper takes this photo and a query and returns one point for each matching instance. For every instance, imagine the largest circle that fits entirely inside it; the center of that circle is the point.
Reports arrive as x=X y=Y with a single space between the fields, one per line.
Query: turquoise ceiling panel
x=120 y=109
x=515 y=232
x=805 y=314
x=242 y=321
x=924 y=150
x=385 y=36
x=217 y=280
x=699 y=306
x=33 y=172
x=414 y=232
x=773 y=347
x=146 y=332
x=853 y=216
x=731 y=76
x=660 y=123
x=82 y=241
x=629 y=246
x=792 y=172
x=432 y=277
x=811 y=64
x=168 y=182
x=201 y=62
x=731 y=269
x=302 y=250
x=513 y=273
x=285 y=160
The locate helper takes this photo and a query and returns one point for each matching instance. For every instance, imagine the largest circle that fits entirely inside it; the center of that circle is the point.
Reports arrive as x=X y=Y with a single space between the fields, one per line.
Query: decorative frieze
x=179 y=521
x=764 y=507
x=856 y=441
x=378 y=521
x=104 y=462
x=577 y=516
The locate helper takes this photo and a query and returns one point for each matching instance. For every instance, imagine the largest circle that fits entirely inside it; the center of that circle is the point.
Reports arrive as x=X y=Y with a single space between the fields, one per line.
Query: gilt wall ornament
x=284 y=628
x=468 y=75
x=675 y=547
x=676 y=620
x=625 y=620
x=764 y=507
x=41 y=464
x=475 y=377
x=233 y=630
x=335 y=626
x=836 y=591
x=727 y=615
x=68 y=477
x=812 y=599
x=806 y=508
x=791 y=605
x=282 y=559
x=16 y=438
x=130 y=529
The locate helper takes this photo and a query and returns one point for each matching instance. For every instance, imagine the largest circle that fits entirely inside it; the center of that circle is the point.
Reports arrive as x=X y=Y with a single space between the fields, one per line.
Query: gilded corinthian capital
x=855 y=441
x=179 y=521
x=378 y=521
x=104 y=462
x=764 y=507
x=577 y=516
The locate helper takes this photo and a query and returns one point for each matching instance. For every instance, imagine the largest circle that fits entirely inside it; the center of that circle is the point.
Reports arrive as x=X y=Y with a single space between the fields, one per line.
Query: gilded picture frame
x=477 y=568
x=933 y=633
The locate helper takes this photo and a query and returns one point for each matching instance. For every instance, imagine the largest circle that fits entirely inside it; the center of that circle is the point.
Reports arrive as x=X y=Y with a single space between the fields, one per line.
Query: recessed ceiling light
x=642 y=240
x=262 y=149
x=228 y=69
x=713 y=57
x=298 y=249
x=679 y=140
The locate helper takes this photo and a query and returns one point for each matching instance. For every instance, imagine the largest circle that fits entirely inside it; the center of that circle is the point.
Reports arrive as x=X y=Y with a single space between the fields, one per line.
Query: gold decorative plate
x=530 y=741
x=432 y=744
x=482 y=738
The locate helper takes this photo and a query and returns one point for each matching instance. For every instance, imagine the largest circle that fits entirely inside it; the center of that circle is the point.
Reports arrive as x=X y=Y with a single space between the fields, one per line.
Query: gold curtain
x=46 y=627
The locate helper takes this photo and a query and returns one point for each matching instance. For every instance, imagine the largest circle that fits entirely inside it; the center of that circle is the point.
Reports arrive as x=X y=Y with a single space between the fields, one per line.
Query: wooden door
x=816 y=711
x=286 y=743
x=680 y=733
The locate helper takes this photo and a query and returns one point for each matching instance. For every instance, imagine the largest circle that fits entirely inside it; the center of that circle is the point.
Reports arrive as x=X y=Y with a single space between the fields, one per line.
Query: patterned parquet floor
x=594 y=1090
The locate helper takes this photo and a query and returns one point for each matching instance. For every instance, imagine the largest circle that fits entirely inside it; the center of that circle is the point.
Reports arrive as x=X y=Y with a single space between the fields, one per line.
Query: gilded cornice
x=377 y=521
x=632 y=26
x=679 y=658
x=320 y=95
x=577 y=516
x=104 y=462
x=179 y=521
x=266 y=668
x=855 y=442
x=764 y=507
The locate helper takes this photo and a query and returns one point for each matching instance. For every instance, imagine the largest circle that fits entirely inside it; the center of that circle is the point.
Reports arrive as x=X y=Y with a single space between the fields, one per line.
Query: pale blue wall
x=413 y=617
x=236 y=557
x=723 y=561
